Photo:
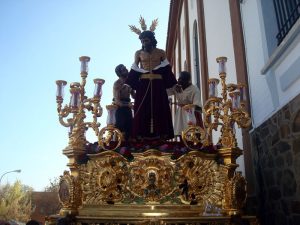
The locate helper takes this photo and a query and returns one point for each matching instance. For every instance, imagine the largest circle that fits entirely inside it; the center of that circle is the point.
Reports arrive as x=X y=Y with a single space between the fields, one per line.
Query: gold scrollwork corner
x=104 y=179
x=235 y=194
x=110 y=138
x=152 y=178
x=193 y=136
x=228 y=139
x=69 y=194
x=202 y=180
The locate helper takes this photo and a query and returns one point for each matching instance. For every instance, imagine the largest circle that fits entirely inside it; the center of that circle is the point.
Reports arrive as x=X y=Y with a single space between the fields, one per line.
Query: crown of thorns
x=143 y=26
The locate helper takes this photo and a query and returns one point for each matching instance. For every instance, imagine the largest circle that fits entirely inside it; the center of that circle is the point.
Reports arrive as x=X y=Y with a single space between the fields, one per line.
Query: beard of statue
x=147 y=45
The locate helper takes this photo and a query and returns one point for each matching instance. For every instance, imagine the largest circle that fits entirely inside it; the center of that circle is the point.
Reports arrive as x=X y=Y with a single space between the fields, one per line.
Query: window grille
x=287 y=13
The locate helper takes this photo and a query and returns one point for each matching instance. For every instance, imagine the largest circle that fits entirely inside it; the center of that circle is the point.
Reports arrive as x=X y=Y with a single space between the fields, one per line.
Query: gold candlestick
x=227 y=110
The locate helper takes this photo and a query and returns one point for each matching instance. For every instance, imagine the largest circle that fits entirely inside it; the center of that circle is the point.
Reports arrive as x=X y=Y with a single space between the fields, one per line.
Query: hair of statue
x=149 y=34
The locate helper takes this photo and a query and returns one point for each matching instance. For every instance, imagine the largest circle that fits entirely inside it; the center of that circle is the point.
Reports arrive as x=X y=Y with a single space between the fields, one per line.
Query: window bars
x=287 y=13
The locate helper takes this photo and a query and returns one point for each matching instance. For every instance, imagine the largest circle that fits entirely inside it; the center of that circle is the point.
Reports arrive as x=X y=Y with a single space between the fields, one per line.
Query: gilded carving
x=110 y=138
x=193 y=136
x=104 y=179
x=204 y=178
x=77 y=137
x=152 y=177
x=69 y=192
x=235 y=194
x=227 y=110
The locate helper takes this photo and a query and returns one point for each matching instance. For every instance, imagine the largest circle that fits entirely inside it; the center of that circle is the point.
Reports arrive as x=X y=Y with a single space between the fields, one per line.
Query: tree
x=15 y=202
x=53 y=186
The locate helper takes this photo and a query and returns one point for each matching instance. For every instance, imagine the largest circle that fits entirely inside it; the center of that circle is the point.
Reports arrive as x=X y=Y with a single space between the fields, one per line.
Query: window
x=287 y=13
x=280 y=18
x=196 y=54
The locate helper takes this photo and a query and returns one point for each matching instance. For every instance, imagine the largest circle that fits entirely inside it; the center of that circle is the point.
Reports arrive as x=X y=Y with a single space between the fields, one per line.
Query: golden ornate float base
x=154 y=188
x=155 y=215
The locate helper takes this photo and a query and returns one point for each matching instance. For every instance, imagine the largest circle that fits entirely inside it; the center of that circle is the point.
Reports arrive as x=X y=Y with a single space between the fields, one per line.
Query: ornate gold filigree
x=204 y=179
x=78 y=106
x=142 y=22
x=135 y=29
x=73 y=115
x=69 y=193
x=193 y=136
x=110 y=138
x=77 y=136
x=154 y=25
x=152 y=176
x=235 y=194
x=226 y=112
x=104 y=179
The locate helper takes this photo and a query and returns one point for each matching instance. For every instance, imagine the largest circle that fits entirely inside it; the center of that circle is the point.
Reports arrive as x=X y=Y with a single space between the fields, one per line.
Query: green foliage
x=15 y=202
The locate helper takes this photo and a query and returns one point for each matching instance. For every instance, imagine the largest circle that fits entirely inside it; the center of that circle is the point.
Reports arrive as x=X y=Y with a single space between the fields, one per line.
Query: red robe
x=160 y=113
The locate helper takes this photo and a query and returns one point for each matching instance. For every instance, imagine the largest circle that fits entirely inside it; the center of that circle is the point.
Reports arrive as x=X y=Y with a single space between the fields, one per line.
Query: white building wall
x=287 y=74
x=219 y=37
x=272 y=86
x=260 y=87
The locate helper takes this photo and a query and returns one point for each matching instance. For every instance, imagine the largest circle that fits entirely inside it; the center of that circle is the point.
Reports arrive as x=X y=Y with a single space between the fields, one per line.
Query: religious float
x=192 y=181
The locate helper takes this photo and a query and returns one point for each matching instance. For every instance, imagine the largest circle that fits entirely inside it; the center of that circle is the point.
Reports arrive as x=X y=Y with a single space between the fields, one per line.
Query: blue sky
x=41 y=41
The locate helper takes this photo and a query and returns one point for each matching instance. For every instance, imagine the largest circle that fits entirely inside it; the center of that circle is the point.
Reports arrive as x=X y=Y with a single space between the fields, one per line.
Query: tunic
x=190 y=95
x=152 y=114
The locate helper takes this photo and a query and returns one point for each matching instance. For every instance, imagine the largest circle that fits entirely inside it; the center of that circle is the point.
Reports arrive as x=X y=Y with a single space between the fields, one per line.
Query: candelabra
x=226 y=111
x=73 y=114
